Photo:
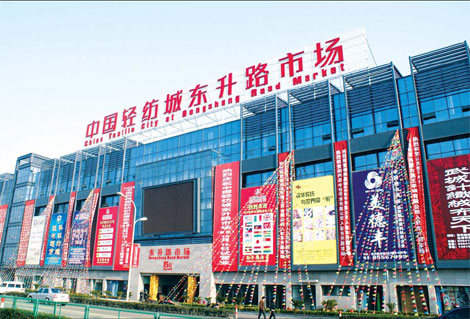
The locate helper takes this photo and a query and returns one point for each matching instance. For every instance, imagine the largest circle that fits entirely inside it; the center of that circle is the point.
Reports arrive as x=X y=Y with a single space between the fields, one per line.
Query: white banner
x=35 y=240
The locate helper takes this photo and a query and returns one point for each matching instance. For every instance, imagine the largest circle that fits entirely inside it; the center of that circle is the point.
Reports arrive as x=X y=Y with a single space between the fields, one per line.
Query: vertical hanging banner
x=136 y=256
x=68 y=227
x=3 y=214
x=314 y=221
x=105 y=236
x=47 y=213
x=346 y=257
x=417 y=197
x=284 y=201
x=226 y=190
x=449 y=182
x=79 y=247
x=25 y=233
x=125 y=227
x=56 y=237
x=258 y=226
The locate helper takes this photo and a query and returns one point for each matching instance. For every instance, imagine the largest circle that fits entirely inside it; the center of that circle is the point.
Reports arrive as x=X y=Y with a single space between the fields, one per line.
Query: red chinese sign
x=346 y=257
x=104 y=236
x=47 y=212
x=417 y=197
x=318 y=61
x=3 y=214
x=163 y=253
x=258 y=226
x=224 y=247
x=284 y=200
x=449 y=181
x=25 y=232
x=125 y=228
x=136 y=256
x=68 y=226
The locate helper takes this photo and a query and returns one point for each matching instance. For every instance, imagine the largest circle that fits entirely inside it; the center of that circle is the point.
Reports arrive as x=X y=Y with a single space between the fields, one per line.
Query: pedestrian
x=262 y=307
x=272 y=315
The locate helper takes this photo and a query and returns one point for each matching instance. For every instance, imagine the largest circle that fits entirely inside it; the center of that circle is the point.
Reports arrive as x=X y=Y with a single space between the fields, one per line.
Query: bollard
x=2 y=303
x=340 y=314
x=236 y=311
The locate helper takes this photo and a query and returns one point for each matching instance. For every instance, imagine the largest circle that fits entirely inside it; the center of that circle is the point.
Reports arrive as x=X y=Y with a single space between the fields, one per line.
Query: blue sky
x=64 y=64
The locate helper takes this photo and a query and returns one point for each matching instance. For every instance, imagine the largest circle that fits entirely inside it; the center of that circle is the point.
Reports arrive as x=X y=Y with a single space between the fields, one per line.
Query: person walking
x=262 y=308
x=272 y=314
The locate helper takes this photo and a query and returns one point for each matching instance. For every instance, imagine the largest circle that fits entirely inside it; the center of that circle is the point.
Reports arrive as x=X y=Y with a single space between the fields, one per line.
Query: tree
x=329 y=304
x=297 y=303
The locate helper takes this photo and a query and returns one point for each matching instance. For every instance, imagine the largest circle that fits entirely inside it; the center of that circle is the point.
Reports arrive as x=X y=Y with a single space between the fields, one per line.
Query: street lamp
x=143 y=219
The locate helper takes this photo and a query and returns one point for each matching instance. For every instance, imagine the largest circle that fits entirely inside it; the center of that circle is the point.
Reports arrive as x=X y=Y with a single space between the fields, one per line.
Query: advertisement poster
x=68 y=228
x=3 y=214
x=105 y=236
x=124 y=229
x=56 y=239
x=226 y=189
x=284 y=200
x=136 y=256
x=314 y=221
x=381 y=217
x=449 y=181
x=25 y=233
x=47 y=212
x=35 y=240
x=415 y=174
x=346 y=257
x=258 y=226
x=80 y=233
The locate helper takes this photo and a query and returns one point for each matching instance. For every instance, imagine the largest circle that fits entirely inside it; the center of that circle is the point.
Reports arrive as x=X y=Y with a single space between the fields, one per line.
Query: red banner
x=346 y=257
x=3 y=214
x=417 y=197
x=224 y=247
x=125 y=228
x=136 y=256
x=258 y=226
x=47 y=212
x=449 y=183
x=284 y=201
x=68 y=226
x=104 y=236
x=96 y=197
x=25 y=232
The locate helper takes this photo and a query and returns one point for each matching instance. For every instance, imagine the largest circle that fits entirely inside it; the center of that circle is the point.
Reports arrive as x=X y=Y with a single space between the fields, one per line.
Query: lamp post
x=143 y=219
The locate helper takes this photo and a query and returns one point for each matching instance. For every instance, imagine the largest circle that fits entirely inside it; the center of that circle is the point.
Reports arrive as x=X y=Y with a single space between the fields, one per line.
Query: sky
x=65 y=64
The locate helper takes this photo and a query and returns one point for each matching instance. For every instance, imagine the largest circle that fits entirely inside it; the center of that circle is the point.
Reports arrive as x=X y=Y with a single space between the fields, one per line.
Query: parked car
x=11 y=286
x=50 y=294
x=458 y=313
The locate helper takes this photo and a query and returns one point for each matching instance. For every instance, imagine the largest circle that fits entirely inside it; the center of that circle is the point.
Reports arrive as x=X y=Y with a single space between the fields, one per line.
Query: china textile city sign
x=318 y=61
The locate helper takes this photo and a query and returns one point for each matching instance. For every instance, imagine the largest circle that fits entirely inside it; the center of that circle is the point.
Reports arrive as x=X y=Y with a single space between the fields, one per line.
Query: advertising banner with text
x=56 y=239
x=25 y=233
x=284 y=200
x=35 y=240
x=105 y=236
x=226 y=190
x=124 y=228
x=314 y=221
x=47 y=212
x=68 y=228
x=3 y=214
x=258 y=226
x=449 y=182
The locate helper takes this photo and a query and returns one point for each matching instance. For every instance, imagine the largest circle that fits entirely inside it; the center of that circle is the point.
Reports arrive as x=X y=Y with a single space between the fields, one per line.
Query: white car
x=11 y=286
x=50 y=294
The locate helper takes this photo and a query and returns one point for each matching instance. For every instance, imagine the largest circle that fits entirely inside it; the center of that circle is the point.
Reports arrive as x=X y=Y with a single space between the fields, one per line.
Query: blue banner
x=79 y=237
x=55 y=241
x=381 y=214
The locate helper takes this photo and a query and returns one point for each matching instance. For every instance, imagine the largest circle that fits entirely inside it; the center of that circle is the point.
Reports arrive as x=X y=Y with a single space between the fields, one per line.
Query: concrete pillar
x=105 y=285
x=318 y=296
x=433 y=306
x=288 y=296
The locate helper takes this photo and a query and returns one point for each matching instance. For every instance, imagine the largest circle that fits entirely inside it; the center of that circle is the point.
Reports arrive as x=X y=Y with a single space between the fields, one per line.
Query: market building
x=315 y=175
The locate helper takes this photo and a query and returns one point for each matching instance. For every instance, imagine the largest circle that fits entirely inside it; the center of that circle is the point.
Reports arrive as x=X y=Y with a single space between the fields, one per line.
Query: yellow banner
x=314 y=221
x=153 y=287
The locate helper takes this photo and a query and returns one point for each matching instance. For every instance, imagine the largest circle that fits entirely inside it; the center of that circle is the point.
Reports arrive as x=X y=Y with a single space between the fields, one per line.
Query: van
x=10 y=286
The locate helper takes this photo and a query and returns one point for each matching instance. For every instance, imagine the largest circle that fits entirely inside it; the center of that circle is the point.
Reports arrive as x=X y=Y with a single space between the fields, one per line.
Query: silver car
x=50 y=294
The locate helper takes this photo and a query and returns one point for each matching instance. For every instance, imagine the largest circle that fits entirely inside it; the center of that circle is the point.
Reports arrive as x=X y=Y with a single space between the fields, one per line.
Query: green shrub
x=8 y=313
x=17 y=294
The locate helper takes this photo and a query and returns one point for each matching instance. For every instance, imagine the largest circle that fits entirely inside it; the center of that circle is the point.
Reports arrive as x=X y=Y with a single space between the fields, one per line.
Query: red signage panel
x=3 y=214
x=94 y=203
x=104 y=236
x=68 y=226
x=449 y=183
x=284 y=200
x=136 y=256
x=346 y=257
x=125 y=228
x=47 y=212
x=258 y=226
x=224 y=247
x=25 y=232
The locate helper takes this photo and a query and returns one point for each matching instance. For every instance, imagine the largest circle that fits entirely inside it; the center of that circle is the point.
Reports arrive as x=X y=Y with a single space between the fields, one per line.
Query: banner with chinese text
x=314 y=221
x=105 y=235
x=81 y=230
x=346 y=257
x=3 y=214
x=415 y=173
x=47 y=212
x=449 y=182
x=25 y=233
x=284 y=200
x=124 y=228
x=56 y=239
x=136 y=256
x=226 y=190
x=68 y=228
x=258 y=226
x=35 y=240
